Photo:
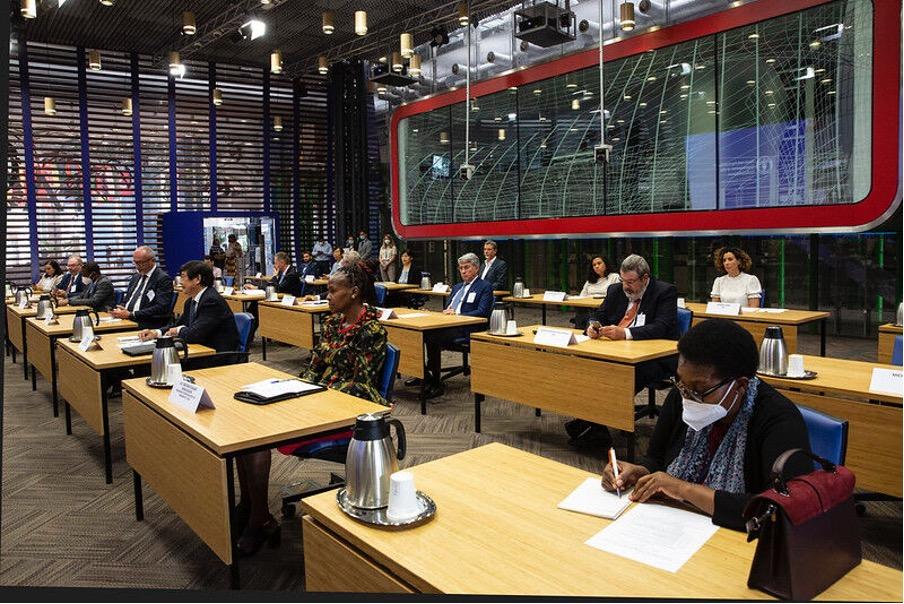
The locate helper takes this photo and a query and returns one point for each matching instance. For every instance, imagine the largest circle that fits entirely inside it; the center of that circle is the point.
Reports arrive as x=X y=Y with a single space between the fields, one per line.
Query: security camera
x=601 y=153
x=466 y=172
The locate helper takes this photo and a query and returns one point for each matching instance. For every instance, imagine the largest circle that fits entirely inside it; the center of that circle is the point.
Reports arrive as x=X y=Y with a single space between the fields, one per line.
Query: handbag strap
x=778 y=467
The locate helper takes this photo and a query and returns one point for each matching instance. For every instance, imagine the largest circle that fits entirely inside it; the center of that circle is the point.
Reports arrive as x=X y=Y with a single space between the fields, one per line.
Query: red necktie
x=630 y=314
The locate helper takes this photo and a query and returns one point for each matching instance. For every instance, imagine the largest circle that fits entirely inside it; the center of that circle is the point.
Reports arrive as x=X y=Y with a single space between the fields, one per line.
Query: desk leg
x=34 y=378
x=822 y=337
x=139 y=496
x=68 y=419
x=105 y=414
x=629 y=445
x=234 y=578
x=24 y=349
x=53 y=380
x=264 y=347
x=538 y=412
x=422 y=395
x=478 y=399
x=543 y=311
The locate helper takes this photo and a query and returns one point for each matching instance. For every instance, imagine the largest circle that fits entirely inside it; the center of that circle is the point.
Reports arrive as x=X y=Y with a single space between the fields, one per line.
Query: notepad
x=109 y=320
x=657 y=535
x=591 y=498
x=412 y=315
x=276 y=387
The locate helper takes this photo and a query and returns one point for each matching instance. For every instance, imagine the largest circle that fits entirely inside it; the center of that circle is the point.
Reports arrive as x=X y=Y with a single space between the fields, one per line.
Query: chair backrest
x=897 y=353
x=388 y=371
x=119 y=295
x=828 y=435
x=685 y=318
x=228 y=281
x=244 y=321
x=762 y=297
x=380 y=290
x=173 y=299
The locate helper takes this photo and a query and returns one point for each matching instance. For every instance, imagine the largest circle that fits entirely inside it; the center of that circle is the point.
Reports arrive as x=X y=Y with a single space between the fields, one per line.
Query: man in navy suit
x=72 y=282
x=494 y=269
x=473 y=297
x=308 y=268
x=149 y=297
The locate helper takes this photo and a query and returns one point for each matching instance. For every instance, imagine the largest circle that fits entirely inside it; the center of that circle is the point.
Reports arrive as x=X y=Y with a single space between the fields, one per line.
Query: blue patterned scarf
x=726 y=470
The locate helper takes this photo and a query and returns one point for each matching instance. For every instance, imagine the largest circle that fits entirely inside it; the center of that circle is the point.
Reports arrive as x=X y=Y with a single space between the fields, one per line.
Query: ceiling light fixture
x=626 y=16
x=126 y=106
x=28 y=8
x=216 y=97
x=361 y=22
x=463 y=17
x=189 y=27
x=252 y=29
x=329 y=22
x=406 y=43
x=575 y=104
x=276 y=62
x=176 y=68
x=49 y=105
x=414 y=65
x=277 y=123
x=444 y=138
x=397 y=63
x=94 y=60
x=323 y=65
x=108 y=2
x=501 y=134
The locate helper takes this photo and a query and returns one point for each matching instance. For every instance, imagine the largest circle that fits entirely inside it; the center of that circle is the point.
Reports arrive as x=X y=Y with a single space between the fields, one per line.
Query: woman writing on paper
x=736 y=286
x=348 y=358
x=720 y=429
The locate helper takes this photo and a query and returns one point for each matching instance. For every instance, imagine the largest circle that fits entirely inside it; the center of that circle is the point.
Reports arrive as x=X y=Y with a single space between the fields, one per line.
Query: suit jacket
x=365 y=248
x=498 y=274
x=155 y=309
x=100 y=295
x=67 y=278
x=213 y=324
x=414 y=274
x=659 y=304
x=310 y=269
x=291 y=283
x=482 y=305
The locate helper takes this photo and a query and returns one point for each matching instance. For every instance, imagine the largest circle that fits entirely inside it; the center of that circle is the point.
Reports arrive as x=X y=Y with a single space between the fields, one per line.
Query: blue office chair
x=380 y=290
x=173 y=300
x=228 y=281
x=897 y=354
x=334 y=445
x=685 y=319
x=828 y=435
x=763 y=297
x=244 y=321
x=119 y=295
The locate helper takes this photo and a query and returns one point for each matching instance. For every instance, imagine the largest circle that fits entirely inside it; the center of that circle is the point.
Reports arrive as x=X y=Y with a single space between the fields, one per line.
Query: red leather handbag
x=808 y=532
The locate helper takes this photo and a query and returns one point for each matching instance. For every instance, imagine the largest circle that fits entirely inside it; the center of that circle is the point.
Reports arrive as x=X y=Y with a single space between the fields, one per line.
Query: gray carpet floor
x=63 y=526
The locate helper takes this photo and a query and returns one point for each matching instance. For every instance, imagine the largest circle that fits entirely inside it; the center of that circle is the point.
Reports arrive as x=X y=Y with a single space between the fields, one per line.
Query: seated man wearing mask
x=638 y=308
x=99 y=294
x=720 y=429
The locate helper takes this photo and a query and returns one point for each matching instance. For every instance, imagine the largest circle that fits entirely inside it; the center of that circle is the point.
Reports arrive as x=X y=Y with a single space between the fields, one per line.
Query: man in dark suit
x=206 y=318
x=494 y=270
x=638 y=308
x=286 y=278
x=72 y=282
x=472 y=297
x=149 y=297
x=99 y=294
x=308 y=268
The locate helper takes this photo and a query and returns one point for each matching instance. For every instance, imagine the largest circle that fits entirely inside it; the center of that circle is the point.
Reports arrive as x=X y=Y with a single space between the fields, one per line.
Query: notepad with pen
x=274 y=390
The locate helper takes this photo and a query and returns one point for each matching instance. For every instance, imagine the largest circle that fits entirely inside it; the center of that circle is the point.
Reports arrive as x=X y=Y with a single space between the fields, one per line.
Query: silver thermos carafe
x=81 y=324
x=425 y=281
x=271 y=293
x=518 y=288
x=498 y=319
x=166 y=354
x=773 y=352
x=23 y=296
x=371 y=459
x=899 y=319
x=45 y=304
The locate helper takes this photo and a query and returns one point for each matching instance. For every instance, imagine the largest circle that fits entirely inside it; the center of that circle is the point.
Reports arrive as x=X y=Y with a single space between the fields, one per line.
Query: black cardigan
x=775 y=426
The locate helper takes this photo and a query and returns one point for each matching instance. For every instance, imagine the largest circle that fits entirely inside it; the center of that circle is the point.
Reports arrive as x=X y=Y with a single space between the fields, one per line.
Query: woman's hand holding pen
x=628 y=474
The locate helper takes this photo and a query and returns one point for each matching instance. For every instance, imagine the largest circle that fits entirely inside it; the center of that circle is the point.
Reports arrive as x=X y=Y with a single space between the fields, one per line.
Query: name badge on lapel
x=640 y=320
x=472 y=296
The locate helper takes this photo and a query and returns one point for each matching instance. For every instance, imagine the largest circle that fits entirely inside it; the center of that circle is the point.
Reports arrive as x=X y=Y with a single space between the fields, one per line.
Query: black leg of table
x=234 y=579
x=13 y=352
x=538 y=412
x=53 y=379
x=24 y=350
x=264 y=347
x=422 y=395
x=68 y=418
x=139 y=497
x=478 y=399
x=822 y=338
x=629 y=446
x=34 y=379
x=105 y=415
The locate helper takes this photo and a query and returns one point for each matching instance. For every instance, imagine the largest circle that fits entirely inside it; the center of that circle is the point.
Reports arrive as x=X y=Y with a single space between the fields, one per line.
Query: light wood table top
x=32 y=311
x=786 y=317
x=621 y=351
x=322 y=281
x=235 y=425
x=429 y=292
x=497 y=530
x=838 y=376
x=891 y=328
x=314 y=309
x=64 y=325
x=430 y=319
x=394 y=287
x=110 y=356
x=537 y=300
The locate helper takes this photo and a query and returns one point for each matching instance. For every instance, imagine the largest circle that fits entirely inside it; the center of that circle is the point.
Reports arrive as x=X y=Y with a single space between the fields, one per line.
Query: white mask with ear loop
x=699 y=415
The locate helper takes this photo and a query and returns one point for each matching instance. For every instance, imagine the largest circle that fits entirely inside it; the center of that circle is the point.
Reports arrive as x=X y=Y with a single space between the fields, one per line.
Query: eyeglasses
x=693 y=394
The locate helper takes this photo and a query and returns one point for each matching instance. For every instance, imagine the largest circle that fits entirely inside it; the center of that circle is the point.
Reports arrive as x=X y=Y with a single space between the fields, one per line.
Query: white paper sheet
x=412 y=315
x=276 y=387
x=657 y=535
x=886 y=381
x=591 y=498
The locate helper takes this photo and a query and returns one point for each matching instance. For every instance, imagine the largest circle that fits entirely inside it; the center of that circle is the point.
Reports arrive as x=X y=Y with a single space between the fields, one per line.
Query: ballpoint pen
x=614 y=463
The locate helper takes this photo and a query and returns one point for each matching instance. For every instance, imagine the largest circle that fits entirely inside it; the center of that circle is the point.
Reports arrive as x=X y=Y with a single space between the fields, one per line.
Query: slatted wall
x=18 y=253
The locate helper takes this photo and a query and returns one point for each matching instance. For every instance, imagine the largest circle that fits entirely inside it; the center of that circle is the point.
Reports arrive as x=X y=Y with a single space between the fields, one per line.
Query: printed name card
x=723 y=308
x=441 y=288
x=23 y=303
x=227 y=291
x=88 y=341
x=555 y=337
x=309 y=278
x=553 y=296
x=190 y=396
x=887 y=381
x=258 y=276
x=387 y=313
x=288 y=301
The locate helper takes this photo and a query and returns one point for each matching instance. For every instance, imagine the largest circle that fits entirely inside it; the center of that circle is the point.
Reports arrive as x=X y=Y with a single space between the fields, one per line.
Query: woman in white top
x=388 y=255
x=599 y=278
x=736 y=286
x=52 y=276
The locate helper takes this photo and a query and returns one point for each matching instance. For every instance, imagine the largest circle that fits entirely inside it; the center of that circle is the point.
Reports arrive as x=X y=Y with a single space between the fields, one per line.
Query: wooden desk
x=41 y=341
x=15 y=328
x=592 y=380
x=84 y=377
x=238 y=301
x=497 y=293
x=887 y=335
x=537 y=300
x=295 y=325
x=188 y=458
x=321 y=282
x=841 y=388
x=411 y=332
x=757 y=322
x=392 y=286
x=497 y=531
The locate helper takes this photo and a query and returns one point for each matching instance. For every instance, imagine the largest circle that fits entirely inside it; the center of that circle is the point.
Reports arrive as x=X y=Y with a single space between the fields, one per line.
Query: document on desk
x=276 y=387
x=591 y=498
x=413 y=315
x=657 y=535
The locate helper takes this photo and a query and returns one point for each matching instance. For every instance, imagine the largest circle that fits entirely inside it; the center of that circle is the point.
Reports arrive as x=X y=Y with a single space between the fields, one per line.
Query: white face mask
x=699 y=415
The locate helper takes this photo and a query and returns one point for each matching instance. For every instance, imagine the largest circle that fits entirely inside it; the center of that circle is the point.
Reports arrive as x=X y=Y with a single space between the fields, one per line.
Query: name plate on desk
x=555 y=337
x=309 y=278
x=23 y=303
x=723 y=308
x=288 y=301
x=887 y=381
x=387 y=313
x=88 y=342
x=441 y=288
x=227 y=291
x=551 y=296
x=190 y=396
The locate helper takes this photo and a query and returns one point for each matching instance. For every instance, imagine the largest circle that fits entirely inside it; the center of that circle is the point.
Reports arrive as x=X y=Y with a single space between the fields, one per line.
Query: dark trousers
x=436 y=341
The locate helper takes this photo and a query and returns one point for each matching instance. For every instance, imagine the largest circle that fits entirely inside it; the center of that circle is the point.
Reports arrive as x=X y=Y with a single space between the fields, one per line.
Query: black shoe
x=253 y=537
x=434 y=390
x=242 y=514
x=413 y=382
x=576 y=426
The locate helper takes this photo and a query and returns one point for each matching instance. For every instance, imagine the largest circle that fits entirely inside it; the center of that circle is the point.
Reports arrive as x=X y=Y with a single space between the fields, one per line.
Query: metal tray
x=379 y=518
x=504 y=334
x=808 y=375
x=164 y=385
x=76 y=340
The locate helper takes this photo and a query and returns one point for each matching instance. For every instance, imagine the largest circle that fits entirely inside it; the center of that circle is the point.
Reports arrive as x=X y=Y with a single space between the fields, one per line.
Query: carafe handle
x=184 y=347
x=96 y=317
x=400 y=434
